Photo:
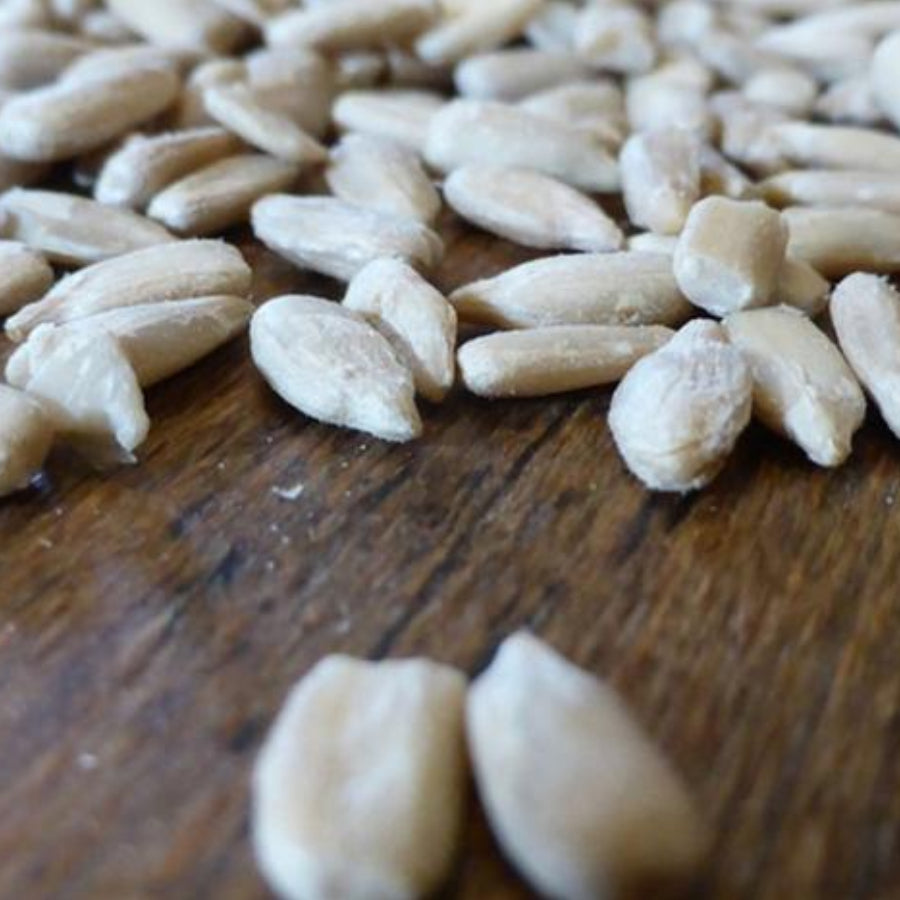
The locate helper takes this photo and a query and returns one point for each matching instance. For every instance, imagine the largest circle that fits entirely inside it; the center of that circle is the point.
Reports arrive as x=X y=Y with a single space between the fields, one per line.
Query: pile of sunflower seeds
x=752 y=143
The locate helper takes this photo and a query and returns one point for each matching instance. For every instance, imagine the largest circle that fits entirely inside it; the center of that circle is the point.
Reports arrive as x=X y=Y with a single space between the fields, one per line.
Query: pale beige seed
x=827 y=55
x=651 y=242
x=190 y=24
x=382 y=175
x=146 y=164
x=257 y=12
x=661 y=178
x=514 y=73
x=398 y=115
x=105 y=27
x=341 y=25
x=802 y=387
x=884 y=77
x=337 y=239
x=26 y=435
x=89 y=390
x=831 y=187
x=26 y=14
x=73 y=230
x=472 y=26
x=190 y=110
x=850 y=101
x=800 y=286
x=589 y=288
x=682 y=23
x=25 y=276
x=595 y=106
x=747 y=137
x=837 y=147
x=72 y=117
x=542 y=361
x=553 y=27
x=866 y=18
x=579 y=797
x=32 y=57
x=109 y=62
x=838 y=240
x=358 y=745
x=530 y=208
x=865 y=312
x=474 y=131
x=159 y=339
x=220 y=195
x=719 y=176
x=417 y=320
x=734 y=58
x=333 y=366
x=677 y=414
x=615 y=37
x=730 y=254
x=657 y=101
x=789 y=90
x=168 y=272
x=237 y=108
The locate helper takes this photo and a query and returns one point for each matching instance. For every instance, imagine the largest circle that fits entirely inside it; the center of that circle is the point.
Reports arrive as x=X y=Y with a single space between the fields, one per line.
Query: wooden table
x=153 y=618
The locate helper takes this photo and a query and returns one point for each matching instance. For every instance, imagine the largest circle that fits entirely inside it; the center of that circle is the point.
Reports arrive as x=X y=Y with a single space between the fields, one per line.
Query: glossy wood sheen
x=152 y=619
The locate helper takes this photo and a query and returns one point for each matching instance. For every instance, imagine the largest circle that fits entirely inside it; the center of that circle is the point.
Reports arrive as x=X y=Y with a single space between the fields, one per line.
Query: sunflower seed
x=333 y=366
x=159 y=339
x=579 y=797
x=237 y=107
x=718 y=176
x=473 y=131
x=594 y=106
x=190 y=110
x=220 y=195
x=31 y=57
x=168 y=272
x=417 y=320
x=850 y=101
x=258 y=12
x=667 y=99
x=788 y=90
x=73 y=117
x=26 y=435
x=615 y=38
x=355 y=744
x=112 y=62
x=105 y=27
x=865 y=312
x=842 y=239
x=826 y=187
x=382 y=175
x=661 y=178
x=515 y=73
x=542 y=361
x=802 y=388
x=25 y=276
x=145 y=165
x=336 y=238
x=837 y=147
x=884 y=77
x=529 y=208
x=677 y=414
x=801 y=287
x=553 y=26
x=401 y=116
x=591 y=288
x=730 y=254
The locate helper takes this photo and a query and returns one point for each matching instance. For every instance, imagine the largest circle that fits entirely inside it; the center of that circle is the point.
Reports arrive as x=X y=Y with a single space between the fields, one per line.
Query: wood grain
x=153 y=618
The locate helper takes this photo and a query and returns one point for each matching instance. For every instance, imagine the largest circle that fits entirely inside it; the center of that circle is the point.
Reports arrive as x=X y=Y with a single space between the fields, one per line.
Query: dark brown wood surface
x=153 y=618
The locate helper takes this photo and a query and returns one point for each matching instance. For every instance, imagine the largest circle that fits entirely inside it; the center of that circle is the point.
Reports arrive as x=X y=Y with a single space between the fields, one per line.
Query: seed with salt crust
x=146 y=164
x=168 y=272
x=842 y=239
x=837 y=147
x=542 y=361
x=352 y=24
x=802 y=387
x=90 y=392
x=530 y=208
x=159 y=339
x=333 y=366
x=190 y=24
x=865 y=312
x=382 y=175
x=403 y=116
x=515 y=73
x=830 y=187
x=729 y=254
x=25 y=276
x=661 y=178
x=236 y=107
x=589 y=288
x=357 y=744
x=474 y=131
x=74 y=230
x=336 y=238
x=472 y=26
x=677 y=414
x=615 y=38
x=579 y=797
x=220 y=195
x=414 y=317
x=884 y=77
x=26 y=435
x=31 y=57
x=72 y=117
